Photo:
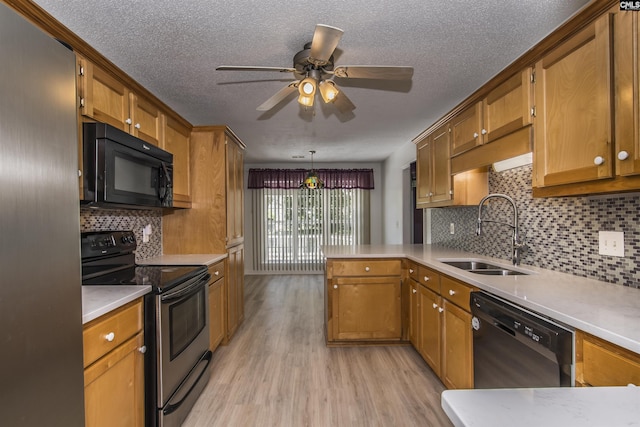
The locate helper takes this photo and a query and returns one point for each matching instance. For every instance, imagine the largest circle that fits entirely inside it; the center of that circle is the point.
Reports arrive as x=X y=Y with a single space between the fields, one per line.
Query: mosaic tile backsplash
x=125 y=219
x=561 y=233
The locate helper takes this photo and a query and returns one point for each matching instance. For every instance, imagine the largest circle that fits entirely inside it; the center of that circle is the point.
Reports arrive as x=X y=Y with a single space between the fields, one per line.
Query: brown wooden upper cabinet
x=433 y=172
x=627 y=85
x=574 y=113
x=435 y=185
x=234 y=154
x=466 y=129
x=506 y=109
x=105 y=99
x=177 y=140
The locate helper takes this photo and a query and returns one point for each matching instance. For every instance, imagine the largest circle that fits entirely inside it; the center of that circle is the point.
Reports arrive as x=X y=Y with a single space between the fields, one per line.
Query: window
x=290 y=225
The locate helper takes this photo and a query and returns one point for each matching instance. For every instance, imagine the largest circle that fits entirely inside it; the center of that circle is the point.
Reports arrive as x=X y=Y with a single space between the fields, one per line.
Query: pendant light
x=312 y=181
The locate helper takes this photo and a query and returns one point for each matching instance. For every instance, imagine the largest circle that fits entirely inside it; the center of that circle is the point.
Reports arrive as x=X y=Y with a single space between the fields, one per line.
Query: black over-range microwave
x=121 y=170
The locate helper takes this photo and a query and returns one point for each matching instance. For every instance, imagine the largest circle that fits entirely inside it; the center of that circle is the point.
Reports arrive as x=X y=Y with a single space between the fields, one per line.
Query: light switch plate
x=611 y=243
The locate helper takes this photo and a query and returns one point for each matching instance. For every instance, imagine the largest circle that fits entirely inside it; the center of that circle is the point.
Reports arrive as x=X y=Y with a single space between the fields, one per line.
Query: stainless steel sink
x=498 y=272
x=481 y=267
x=472 y=265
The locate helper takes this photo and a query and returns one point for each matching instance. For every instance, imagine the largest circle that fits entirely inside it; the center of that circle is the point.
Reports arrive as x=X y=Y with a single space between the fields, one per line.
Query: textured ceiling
x=173 y=47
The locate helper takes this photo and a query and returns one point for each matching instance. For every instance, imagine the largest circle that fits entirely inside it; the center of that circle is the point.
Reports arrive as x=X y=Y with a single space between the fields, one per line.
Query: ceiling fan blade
x=373 y=72
x=254 y=68
x=279 y=96
x=325 y=40
x=343 y=104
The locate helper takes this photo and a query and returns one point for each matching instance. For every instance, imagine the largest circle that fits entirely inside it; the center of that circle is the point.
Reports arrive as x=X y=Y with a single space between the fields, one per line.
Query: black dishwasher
x=514 y=347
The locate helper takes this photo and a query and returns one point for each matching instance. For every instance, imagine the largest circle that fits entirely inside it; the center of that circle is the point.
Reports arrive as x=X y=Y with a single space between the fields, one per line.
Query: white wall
x=376 y=199
x=392 y=186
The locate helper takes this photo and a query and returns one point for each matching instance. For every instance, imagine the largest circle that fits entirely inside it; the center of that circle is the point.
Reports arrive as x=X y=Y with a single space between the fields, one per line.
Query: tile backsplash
x=561 y=233
x=125 y=219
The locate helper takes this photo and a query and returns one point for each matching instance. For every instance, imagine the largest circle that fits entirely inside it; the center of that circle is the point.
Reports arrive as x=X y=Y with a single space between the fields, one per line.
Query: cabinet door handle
x=142 y=349
x=435 y=305
x=217 y=273
x=440 y=309
x=366 y=269
x=426 y=278
x=128 y=121
x=598 y=160
x=414 y=291
x=623 y=155
x=110 y=337
x=452 y=292
x=335 y=286
x=475 y=135
x=137 y=126
x=411 y=270
x=484 y=131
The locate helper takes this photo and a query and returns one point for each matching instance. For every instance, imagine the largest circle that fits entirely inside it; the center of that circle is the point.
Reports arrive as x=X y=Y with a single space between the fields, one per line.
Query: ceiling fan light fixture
x=307 y=87
x=328 y=90
x=306 y=101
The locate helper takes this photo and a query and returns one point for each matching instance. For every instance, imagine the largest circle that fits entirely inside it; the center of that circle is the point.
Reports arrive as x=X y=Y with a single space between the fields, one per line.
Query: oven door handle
x=172 y=407
x=187 y=290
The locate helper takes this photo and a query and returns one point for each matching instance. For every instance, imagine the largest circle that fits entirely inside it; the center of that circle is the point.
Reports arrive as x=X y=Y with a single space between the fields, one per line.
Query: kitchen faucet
x=516 y=244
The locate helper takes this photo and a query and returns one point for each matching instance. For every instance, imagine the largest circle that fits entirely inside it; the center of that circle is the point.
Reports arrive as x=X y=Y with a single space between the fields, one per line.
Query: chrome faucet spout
x=516 y=244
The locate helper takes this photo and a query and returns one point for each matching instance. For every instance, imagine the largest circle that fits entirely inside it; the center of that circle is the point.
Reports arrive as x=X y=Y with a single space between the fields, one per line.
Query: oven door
x=183 y=322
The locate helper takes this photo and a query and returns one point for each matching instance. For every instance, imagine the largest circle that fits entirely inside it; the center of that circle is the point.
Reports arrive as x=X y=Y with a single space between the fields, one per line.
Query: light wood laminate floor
x=277 y=371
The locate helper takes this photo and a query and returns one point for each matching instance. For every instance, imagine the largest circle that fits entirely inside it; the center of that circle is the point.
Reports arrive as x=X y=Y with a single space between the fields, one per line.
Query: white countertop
x=186 y=259
x=580 y=407
x=606 y=310
x=99 y=300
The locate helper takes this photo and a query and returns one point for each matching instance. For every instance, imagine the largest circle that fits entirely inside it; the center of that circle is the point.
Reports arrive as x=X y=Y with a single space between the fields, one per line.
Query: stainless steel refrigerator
x=41 y=373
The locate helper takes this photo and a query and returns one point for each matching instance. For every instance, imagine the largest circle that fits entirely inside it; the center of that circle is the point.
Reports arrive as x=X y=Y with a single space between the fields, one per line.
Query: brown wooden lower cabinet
x=217 y=309
x=443 y=328
x=601 y=363
x=364 y=301
x=235 y=289
x=114 y=369
x=430 y=328
x=367 y=309
x=457 y=347
x=413 y=312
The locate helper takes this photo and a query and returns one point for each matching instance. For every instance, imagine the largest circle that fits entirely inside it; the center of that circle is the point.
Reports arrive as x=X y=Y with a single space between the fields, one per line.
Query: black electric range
x=108 y=258
x=176 y=321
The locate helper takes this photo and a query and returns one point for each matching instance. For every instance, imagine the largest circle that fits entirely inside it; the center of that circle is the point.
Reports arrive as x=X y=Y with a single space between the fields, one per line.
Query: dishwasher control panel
x=515 y=320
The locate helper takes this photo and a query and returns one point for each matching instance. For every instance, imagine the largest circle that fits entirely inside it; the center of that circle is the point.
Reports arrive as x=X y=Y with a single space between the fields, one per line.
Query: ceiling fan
x=314 y=69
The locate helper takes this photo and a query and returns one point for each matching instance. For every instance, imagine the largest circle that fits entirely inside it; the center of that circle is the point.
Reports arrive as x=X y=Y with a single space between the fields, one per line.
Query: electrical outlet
x=611 y=243
x=146 y=232
x=452 y=228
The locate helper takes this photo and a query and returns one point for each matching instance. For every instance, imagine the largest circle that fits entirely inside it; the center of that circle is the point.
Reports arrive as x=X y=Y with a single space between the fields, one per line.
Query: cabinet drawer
x=456 y=292
x=216 y=271
x=429 y=278
x=413 y=271
x=367 y=268
x=608 y=365
x=109 y=331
